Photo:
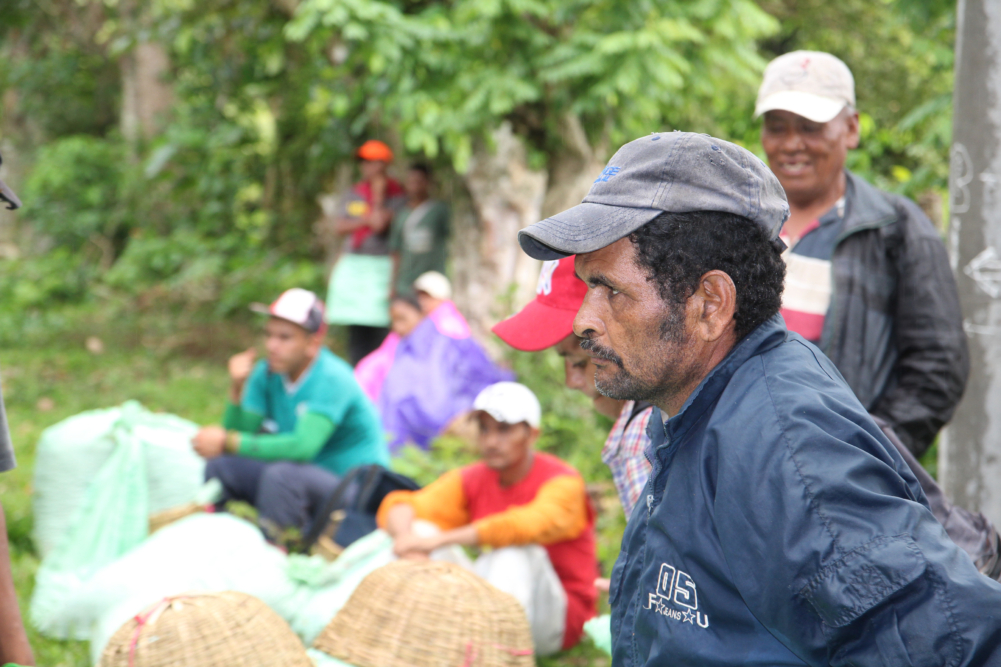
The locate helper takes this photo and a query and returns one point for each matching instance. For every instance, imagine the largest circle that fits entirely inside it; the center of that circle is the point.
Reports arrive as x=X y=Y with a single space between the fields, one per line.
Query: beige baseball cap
x=811 y=84
x=434 y=284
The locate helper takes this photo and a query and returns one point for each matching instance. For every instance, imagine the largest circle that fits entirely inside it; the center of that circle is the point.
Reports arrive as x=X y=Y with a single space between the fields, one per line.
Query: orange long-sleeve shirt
x=549 y=507
x=557 y=513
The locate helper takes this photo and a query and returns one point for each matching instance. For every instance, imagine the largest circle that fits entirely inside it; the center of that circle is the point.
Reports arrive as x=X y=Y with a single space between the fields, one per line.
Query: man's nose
x=792 y=141
x=587 y=323
x=574 y=376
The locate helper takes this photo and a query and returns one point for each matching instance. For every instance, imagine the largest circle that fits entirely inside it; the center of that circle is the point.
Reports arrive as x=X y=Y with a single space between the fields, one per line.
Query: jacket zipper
x=832 y=316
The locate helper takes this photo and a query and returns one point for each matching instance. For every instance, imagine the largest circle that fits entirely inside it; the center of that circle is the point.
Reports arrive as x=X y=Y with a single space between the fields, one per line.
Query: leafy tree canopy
x=445 y=74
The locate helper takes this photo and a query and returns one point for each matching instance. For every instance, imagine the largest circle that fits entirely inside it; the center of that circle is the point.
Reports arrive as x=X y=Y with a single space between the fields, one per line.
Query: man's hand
x=603 y=585
x=412 y=547
x=210 y=441
x=240 y=367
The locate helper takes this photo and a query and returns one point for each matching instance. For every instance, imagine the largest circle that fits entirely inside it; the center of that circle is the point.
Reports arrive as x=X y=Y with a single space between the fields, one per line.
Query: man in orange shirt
x=530 y=507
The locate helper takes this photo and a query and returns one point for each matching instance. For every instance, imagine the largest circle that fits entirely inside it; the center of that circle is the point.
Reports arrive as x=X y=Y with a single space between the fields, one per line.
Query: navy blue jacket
x=781 y=528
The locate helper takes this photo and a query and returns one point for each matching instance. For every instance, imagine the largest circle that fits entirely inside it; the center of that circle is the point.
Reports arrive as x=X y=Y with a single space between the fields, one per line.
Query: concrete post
x=970 y=450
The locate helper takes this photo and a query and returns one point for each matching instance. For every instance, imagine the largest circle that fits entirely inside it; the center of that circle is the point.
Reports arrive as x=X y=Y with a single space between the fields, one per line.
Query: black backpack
x=349 y=513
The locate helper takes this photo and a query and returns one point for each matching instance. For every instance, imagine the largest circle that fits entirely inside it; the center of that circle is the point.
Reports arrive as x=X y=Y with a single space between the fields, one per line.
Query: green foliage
x=268 y=103
x=445 y=75
x=55 y=278
x=77 y=191
x=66 y=84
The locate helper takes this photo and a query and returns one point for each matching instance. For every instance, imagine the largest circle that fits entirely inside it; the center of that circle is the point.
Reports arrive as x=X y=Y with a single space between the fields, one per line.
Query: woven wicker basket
x=169 y=516
x=428 y=614
x=206 y=630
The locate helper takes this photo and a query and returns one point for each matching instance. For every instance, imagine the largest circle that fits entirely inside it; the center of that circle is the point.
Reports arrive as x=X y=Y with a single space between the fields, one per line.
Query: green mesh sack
x=599 y=629
x=106 y=510
x=71 y=453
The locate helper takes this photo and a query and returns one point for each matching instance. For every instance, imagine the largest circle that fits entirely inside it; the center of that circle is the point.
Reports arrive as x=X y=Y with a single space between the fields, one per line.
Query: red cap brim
x=536 y=327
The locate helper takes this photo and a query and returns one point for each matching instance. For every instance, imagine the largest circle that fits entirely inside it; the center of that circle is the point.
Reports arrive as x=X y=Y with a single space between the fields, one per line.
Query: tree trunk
x=572 y=170
x=491 y=275
x=146 y=94
x=493 y=278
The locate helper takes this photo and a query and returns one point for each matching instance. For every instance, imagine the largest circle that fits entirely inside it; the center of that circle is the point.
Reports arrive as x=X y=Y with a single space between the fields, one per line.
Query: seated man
x=530 y=507
x=318 y=424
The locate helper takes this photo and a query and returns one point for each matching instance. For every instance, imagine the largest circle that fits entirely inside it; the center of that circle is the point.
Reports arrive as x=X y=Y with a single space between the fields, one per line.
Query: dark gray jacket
x=894 y=328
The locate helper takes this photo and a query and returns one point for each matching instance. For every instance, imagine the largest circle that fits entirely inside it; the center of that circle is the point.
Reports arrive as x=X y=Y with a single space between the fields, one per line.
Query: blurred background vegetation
x=175 y=156
x=171 y=152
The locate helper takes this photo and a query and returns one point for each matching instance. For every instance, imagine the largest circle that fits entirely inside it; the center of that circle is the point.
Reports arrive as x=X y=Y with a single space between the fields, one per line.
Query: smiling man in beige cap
x=868 y=278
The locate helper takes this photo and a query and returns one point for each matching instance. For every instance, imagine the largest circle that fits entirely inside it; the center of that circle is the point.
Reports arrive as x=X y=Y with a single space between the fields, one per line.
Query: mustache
x=600 y=351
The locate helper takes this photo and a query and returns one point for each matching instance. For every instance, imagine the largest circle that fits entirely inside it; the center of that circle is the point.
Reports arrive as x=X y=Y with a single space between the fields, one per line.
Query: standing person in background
x=868 y=278
x=419 y=237
x=14 y=646
x=358 y=295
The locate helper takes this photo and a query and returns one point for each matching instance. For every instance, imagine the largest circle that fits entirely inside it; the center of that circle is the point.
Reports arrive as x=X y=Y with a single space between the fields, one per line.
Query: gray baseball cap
x=674 y=172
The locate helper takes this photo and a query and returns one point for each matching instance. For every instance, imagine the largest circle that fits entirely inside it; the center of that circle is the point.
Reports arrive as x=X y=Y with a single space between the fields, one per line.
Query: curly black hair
x=677 y=249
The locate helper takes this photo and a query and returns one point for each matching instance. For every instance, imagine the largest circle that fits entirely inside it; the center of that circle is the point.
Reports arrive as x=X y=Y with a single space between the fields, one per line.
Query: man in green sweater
x=295 y=423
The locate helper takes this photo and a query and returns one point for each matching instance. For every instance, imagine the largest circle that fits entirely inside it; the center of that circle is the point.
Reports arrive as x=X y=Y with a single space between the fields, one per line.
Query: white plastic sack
x=71 y=453
x=203 y=552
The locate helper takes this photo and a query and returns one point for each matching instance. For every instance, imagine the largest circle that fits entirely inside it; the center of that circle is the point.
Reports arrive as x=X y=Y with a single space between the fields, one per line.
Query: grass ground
x=43 y=384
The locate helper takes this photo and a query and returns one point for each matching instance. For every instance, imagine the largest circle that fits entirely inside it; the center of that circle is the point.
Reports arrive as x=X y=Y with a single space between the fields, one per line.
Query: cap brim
x=260 y=308
x=817 y=108
x=501 y=417
x=536 y=327
x=584 y=228
x=13 y=202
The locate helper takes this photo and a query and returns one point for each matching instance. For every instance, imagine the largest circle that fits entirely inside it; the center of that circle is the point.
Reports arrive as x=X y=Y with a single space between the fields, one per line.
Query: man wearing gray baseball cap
x=780 y=526
x=868 y=278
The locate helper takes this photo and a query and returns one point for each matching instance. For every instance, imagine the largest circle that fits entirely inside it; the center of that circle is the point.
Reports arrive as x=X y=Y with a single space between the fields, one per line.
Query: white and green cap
x=510 y=403
x=811 y=84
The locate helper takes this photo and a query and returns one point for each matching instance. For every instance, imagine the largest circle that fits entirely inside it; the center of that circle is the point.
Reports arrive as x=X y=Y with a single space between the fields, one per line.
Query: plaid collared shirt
x=623 y=453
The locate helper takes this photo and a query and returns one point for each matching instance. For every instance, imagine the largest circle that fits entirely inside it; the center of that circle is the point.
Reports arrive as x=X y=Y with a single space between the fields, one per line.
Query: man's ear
x=715 y=304
x=316 y=342
x=533 y=434
x=853 y=129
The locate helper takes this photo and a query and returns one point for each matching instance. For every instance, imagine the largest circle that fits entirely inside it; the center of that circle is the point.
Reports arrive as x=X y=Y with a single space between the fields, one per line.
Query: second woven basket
x=428 y=614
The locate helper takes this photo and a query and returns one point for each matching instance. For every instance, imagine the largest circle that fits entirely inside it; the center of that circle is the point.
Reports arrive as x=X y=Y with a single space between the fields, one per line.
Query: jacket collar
x=867 y=207
x=766 y=336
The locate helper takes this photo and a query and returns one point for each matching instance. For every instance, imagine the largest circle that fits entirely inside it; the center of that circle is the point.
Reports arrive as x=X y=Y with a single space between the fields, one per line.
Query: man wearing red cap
x=548 y=322
x=360 y=285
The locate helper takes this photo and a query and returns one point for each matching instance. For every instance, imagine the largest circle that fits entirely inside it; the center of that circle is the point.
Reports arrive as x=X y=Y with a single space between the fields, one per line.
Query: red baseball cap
x=548 y=319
